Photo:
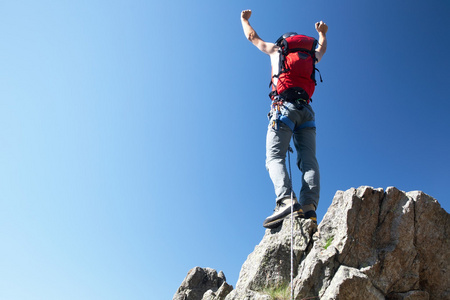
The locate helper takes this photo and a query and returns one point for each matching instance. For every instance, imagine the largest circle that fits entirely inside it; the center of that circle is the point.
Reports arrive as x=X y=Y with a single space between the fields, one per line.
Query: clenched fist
x=245 y=14
x=321 y=27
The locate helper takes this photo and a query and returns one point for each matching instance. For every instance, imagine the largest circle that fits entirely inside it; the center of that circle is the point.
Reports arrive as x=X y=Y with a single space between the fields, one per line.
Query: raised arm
x=252 y=36
x=322 y=29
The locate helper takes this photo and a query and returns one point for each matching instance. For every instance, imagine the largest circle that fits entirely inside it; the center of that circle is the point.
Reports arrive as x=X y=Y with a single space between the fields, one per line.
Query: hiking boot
x=281 y=212
x=311 y=214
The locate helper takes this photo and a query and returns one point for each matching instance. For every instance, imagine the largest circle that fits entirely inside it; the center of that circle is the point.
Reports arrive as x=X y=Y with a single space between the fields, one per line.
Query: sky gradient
x=132 y=133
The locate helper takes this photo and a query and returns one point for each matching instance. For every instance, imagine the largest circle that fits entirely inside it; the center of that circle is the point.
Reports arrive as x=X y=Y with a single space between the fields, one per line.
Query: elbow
x=320 y=51
x=252 y=36
x=319 y=56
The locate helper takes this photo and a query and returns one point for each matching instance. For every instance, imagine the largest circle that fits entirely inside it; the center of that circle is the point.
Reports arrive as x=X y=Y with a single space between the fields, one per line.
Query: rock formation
x=203 y=283
x=371 y=244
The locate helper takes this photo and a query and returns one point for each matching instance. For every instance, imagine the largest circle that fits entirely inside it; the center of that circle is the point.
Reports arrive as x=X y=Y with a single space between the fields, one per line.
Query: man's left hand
x=321 y=27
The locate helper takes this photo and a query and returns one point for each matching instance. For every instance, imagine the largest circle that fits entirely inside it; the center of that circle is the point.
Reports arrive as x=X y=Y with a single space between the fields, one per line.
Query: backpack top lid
x=286 y=35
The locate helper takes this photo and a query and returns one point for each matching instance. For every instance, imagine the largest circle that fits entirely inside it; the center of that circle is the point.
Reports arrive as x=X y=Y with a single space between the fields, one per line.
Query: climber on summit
x=293 y=58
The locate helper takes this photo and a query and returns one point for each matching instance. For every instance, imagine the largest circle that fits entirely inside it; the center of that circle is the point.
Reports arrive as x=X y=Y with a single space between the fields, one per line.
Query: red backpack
x=296 y=74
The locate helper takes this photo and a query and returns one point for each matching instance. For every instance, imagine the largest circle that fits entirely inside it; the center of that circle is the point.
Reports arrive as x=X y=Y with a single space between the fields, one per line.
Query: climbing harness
x=275 y=113
x=292 y=223
x=276 y=116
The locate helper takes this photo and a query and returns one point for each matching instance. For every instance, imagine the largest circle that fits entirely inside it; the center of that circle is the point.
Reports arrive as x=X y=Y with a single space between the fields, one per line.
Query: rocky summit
x=371 y=244
x=203 y=283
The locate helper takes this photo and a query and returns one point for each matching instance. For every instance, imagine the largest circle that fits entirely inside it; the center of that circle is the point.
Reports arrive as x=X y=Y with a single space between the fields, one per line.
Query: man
x=299 y=125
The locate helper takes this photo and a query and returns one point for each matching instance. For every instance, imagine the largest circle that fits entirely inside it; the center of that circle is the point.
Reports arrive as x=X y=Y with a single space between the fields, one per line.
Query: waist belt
x=295 y=94
x=297 y=101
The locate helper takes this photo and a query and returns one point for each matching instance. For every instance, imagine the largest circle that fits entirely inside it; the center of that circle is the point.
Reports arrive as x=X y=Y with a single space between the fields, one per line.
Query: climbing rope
x=292 y=223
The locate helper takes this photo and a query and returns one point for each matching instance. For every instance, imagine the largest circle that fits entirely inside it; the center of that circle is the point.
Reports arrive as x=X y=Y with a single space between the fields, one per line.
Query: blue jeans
x=277 y=144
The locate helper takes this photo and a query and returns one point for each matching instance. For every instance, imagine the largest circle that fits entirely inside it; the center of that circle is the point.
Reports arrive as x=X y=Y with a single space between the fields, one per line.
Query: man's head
x=286 y=35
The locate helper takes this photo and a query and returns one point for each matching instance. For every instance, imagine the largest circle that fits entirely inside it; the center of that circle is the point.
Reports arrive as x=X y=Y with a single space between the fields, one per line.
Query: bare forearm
x=322 y=43
x=322 y=29
x=252 y=36
x=249 y=32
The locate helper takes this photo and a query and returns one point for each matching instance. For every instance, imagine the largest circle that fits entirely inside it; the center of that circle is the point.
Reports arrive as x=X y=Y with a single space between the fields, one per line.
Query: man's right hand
x=245 y=14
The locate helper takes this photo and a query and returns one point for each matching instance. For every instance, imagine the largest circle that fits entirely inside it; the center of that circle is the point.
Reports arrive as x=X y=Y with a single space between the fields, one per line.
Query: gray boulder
x=203 y=284
x=394 y=243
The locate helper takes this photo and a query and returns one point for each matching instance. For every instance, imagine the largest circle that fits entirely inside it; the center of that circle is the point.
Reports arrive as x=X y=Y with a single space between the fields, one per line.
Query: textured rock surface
x=371 y=244
x=269 y=265
x=350 y=283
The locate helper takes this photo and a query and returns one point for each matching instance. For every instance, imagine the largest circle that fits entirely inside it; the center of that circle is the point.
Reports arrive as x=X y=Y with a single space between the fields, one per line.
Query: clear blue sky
x=132 y=133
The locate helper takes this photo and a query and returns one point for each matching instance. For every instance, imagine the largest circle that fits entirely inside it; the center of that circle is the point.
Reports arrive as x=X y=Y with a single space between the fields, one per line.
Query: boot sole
x=275 y=223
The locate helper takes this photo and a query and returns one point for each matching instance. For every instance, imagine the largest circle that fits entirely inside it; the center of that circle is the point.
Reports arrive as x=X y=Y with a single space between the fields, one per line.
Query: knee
x=275 y=154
